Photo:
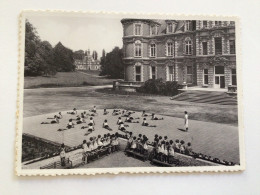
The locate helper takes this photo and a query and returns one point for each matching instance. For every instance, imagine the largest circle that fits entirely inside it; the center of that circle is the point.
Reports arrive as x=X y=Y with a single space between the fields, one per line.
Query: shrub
x=157 y=86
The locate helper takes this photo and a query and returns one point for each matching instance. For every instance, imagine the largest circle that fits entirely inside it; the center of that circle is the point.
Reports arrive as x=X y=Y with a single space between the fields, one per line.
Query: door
x=222 y=82
x=171 y=75
x=217 y=82
x=219 y=77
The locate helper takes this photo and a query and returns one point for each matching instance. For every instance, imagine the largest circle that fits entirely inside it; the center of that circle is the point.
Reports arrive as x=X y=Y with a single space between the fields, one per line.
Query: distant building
x=87 y=63
x=190 y=52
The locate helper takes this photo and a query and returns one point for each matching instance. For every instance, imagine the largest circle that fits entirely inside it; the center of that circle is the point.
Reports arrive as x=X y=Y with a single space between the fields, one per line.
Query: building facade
x=87 y=62
x=190 y=52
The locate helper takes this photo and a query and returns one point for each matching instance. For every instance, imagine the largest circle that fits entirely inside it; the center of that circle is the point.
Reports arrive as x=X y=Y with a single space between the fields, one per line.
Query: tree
x=94 y=55
x=112 y=64
x=79 y=55
x=63 y=58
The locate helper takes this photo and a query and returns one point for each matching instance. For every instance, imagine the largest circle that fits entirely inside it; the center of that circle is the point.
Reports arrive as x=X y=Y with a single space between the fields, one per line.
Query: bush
x=157 y=86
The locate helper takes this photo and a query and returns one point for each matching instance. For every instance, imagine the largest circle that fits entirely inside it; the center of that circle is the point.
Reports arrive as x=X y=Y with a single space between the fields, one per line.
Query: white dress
x=186 y=122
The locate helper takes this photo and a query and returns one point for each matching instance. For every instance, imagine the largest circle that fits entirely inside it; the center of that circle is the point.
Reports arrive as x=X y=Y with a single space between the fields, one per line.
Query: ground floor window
x=234 y=77
x=206 y=76
x=171 y=73
x=153 y=71
x=138 y=73
x=189 y=74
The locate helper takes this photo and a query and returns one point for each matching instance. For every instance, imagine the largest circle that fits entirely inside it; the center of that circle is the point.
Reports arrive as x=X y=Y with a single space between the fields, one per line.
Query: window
x=218 y=46
x=153 y=50
x=169 y=49
x=205 y=48
x=217 y=23
x=232 y=46
x=138 y=49
x=205 y=24
x=153 y=69
x=188 y=47
x=206 y=76
x=171 y=75
x=153 y=30
x=138 y=73
x=189 y=74
x=234 y=77
x=137 y=29
x=170 y=28
x=187 y=25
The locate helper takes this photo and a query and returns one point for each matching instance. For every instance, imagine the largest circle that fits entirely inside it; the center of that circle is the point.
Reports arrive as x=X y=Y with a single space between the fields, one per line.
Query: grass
x=66 y=79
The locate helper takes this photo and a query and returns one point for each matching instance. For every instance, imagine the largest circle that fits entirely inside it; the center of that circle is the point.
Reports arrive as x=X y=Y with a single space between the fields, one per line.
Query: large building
x=196 y=53
x=87 y=62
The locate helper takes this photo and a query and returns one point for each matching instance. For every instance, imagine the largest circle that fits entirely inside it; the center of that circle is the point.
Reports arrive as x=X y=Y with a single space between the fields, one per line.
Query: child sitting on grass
x=105 y=112
x=80 y=120
x=59 y=115
x=145 y=123
x=130 y=120
x=122 y=127
x=56 y=120
x=177 y=145
x=188 y=149
x=119 y=121
x=94 y=109
x=106 y=126
x=74 y=111
x=155 y=118
x=144 y=114
x=116 y=112
x=70 y=124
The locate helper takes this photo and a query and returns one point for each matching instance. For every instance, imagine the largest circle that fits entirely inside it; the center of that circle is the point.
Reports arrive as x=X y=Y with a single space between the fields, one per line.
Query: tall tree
x=79 y=55
x=113 y=64
x=63 y=58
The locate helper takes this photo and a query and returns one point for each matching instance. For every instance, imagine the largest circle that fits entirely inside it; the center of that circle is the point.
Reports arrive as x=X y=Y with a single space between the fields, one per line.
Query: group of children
x=97 y=146
x=138 y=144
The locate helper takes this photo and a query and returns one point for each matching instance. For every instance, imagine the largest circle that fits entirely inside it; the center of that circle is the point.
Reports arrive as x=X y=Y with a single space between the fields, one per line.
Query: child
x=144 y=114
x=91 y=121
x=182 y=147
x=70 y=124
x=165 y=139
x=91 y=128
x=106 y=126
x=56 y=120
x=145 y=145
x=62 y=155
x=105 y=112
x=116 y=141
x=74 y=111
x=177 y=145
x=146 y=124
x=129 y=141
x=99 y=142
x=81 y=120
x=155 y=118
x=161 y=151
x=133 y=145
x=186 y=121
x=85 y=115
x=119 y=121
x=84 y=154
x=59 y=116
x=171 y=152
x=116 y=112
x=94 y=109
x=130 y=120
x=122 y=127
x=188 y=149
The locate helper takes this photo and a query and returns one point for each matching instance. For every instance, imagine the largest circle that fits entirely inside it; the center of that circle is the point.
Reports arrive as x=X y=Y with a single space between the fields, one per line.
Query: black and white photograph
x=111 y=93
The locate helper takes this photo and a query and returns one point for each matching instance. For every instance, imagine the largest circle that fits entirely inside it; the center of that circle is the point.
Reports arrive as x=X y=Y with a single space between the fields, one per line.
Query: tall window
x=153 y=30
x=169 y=49
x=217 y=23
x=171 y=75
x=189 y=74
x=206 y=76
x=234 y=77
x=205 y=24
x=232 y=46
x=153 y=50
x=205 y=48
x=170 y=28
x=138 y=49
x=153 y=71
x=137 y=29
x=187 y=25
x=188 y=47
x=137 y=73
x=218 y=46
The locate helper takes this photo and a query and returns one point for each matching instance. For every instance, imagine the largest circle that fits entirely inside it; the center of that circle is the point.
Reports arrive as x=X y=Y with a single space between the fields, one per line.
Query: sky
x=88 y=32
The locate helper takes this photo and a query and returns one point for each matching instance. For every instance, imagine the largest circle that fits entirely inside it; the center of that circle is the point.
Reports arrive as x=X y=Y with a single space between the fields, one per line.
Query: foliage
x=112 y=63
x=41 y=58
x=95 y=55
x=79 y=55
x=157 y=86
x=63 y=58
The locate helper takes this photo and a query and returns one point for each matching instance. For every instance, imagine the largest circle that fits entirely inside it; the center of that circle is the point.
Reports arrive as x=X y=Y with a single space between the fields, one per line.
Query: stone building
x=190 y=52
x=87 y=62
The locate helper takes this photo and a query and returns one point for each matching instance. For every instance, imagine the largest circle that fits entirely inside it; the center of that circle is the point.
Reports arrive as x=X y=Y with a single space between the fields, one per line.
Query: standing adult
x=186 y=122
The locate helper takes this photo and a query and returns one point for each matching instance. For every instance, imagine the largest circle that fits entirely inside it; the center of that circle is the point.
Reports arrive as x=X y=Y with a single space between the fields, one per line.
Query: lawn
x=66 y=79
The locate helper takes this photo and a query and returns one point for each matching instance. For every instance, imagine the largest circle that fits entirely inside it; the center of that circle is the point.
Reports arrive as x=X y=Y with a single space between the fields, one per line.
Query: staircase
x=208 y=97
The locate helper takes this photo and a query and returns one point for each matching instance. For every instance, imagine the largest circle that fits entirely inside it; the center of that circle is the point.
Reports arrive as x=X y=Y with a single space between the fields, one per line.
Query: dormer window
x=169 y=28
x=217 y=23
x=138 y=29
x=187 y=26
x=205 y=24
x=153 y=30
